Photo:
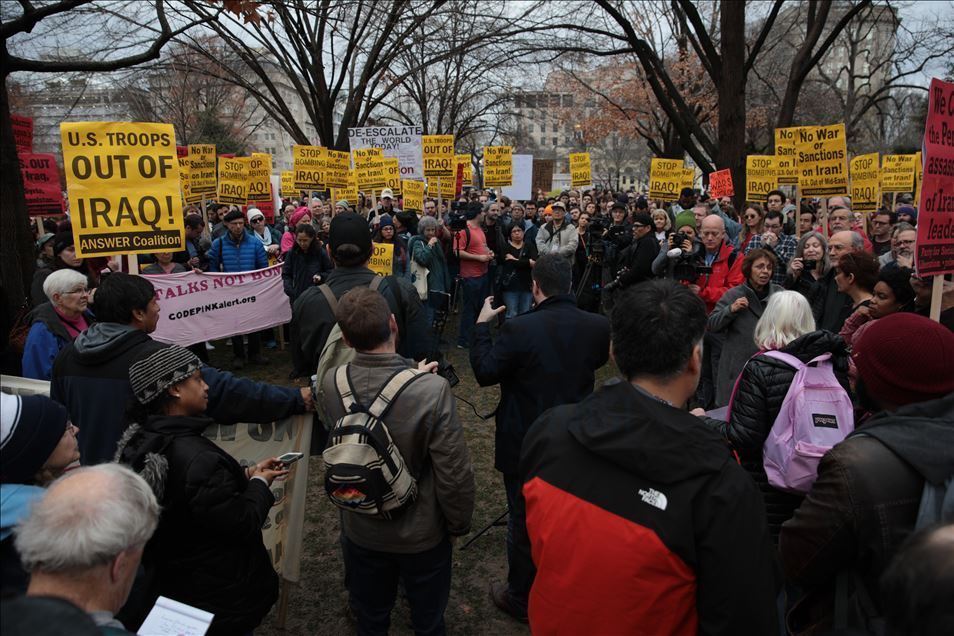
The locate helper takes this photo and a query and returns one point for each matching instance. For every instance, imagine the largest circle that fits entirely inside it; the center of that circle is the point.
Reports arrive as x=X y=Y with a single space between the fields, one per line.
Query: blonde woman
x=661 y=225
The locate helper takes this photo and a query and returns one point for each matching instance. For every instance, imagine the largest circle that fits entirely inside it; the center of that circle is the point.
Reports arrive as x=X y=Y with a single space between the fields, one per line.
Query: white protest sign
x=522 y=178
x=401 y=142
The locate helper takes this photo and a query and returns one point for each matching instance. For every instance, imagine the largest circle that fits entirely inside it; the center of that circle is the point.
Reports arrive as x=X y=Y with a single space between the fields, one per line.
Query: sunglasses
x=258 y=220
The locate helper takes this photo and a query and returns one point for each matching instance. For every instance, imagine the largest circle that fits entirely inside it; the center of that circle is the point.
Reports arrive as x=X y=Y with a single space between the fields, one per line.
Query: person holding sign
x=239 y=251
x=208 y=550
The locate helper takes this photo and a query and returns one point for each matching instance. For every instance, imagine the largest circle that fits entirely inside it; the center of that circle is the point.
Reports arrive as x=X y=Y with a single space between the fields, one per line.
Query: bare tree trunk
x=731 y=153
x=16 y=257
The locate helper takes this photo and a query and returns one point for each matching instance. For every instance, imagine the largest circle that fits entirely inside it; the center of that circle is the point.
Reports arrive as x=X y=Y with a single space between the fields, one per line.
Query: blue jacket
x=91 y=379
x=541 y=359
x=226 y=255
x=46 y=338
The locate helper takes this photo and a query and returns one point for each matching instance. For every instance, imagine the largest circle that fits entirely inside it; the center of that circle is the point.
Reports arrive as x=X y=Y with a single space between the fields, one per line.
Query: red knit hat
x=905 y=358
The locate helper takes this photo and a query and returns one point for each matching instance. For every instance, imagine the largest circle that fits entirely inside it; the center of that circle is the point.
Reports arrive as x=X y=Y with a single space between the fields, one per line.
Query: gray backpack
x=364 y=470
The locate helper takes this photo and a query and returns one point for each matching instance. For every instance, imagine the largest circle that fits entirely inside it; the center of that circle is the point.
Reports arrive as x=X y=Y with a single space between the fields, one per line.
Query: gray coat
x=739 y=330
x=424 y=425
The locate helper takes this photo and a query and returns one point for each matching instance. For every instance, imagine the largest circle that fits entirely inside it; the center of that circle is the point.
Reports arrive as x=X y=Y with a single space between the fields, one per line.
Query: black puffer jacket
x=756 y=404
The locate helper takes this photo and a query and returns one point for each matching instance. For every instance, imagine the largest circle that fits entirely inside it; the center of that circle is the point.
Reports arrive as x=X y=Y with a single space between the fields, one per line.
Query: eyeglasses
x=84 y=290
x=258 y=220
x=751 y=217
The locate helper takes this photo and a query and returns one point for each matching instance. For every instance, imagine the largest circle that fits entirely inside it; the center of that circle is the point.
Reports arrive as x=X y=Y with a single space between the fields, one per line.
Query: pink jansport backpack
x=815 y=415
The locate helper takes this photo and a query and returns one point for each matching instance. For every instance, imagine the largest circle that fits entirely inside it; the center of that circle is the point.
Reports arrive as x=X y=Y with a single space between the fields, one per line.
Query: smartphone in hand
x=290 y=458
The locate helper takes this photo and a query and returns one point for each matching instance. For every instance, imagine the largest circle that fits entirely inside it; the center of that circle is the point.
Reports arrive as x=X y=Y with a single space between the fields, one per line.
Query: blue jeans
x=474 y=291
x=517 y=302
x=372 y=581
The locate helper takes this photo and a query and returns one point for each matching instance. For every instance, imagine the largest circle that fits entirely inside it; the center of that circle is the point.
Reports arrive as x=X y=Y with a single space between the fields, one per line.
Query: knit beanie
x=254 y=213
x=905 y=358
x=350 y=228
x=234 y=215
x=344 y=204
x=155 y=373
x=385 y=221
x=908 y=209
x=30 y=428
x=684 y=218
x=61 y=241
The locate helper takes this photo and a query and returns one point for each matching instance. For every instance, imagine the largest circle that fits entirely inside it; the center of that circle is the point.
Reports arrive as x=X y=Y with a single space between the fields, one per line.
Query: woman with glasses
x=752 y=218
x=271 y=241
x=56 y=323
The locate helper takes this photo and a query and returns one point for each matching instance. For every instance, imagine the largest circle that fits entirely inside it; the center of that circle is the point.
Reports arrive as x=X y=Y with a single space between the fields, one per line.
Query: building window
x=530 y=127
x=555 y=101
x=568 y=100
x=554 y=141
x=543 y=127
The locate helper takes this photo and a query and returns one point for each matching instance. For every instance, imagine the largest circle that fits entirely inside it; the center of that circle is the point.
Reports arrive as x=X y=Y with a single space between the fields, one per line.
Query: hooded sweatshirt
x=636 y=515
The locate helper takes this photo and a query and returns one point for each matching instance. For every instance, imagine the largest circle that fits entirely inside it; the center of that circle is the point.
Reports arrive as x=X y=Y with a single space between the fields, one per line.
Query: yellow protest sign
x=665 y=178
x=123 y=183
x=308 y=166
x=362 y=156
x=288 y=183
x=413 y=195
x=441 y=186
x=581 y=174
x=202 y=177
x=464 y=160
x=821 y=155
x=233 y=180
x=785 y=167
x=392 y=175
x=372 y=173
x=382 y=259
x=438 y=154
x=897 y=173
x=918 y=177
x=337 y=165
x=350 y=193
x=498 y=166
x=185 y=181
x=259 y=175
x=688 y=178
x=760 y=177
x=865 y=183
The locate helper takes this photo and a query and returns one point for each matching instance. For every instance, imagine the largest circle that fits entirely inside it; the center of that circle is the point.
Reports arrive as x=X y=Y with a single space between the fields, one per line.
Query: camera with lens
x=457 y=217
x=678 y=238
x=809 y=265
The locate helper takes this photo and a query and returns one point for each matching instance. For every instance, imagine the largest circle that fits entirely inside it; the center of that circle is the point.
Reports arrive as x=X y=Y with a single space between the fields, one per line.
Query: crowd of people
x=646 y=505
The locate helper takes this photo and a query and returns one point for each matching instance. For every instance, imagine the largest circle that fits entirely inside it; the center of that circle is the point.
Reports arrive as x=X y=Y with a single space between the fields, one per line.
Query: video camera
x=457 y=217
x=440 y=302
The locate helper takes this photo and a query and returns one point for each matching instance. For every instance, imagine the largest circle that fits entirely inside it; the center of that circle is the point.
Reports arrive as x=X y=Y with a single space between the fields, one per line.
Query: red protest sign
x=267 y=206
x=935 y=243
x=720 y=184
x=41 y=184
x=182 y=151
x=22 y=133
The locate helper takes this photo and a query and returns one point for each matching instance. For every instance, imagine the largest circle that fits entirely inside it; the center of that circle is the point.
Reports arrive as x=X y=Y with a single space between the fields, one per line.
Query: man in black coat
x=541 y=359
x=636 y=261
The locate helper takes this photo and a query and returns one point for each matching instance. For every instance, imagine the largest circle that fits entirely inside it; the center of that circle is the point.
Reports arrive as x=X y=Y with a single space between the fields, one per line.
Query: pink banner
x=195 y=307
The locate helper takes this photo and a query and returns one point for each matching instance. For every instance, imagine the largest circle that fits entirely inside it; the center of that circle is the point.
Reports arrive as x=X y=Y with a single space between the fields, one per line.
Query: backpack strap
x=787 y=358
x=344 y=387
x=329 y=296
x=376 y=282
x=391 y=390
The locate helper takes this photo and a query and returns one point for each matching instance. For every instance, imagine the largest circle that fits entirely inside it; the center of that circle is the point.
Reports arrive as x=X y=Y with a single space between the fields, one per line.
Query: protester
x=225 y=569
x=44 y=248
x=903 y=240
x=841 y=219
x=736 y=315
x=422 y=423
x=557 y=236
x=538 y=363
x=313 y=318
x=773 y=240
x=196 y=245
x=301 y=216
x=90 y=376
x=922 y=286
x=636 y=260
x=633 y=508
x=907 y=214
x=37 y=443
x=809 y=264
x=752 y=215
x=514 y=263
x=164 y=265
x=786 y=325
x=259 y=229
x=387 y=234
x=881 y=225
x=56 y=323
x=64 y=257
x=84 y=540
x=829 y=306
x=807 y=220
x=869 y=488
x=661 y=225
x=470 y=248
x=918 y=585
x=725 y=262
x=47 y=616
x=239 y=251
x=426 y=250
x=306 y=264
x=856 y=276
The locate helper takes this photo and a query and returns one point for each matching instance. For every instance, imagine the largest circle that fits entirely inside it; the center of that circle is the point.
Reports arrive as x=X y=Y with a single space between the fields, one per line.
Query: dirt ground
x=319 y=603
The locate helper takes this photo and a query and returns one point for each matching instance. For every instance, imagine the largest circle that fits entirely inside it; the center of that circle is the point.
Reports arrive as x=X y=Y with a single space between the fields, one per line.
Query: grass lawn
x=319 y=603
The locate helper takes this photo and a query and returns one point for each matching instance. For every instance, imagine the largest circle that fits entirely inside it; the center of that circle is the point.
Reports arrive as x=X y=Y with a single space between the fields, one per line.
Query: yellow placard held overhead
x=372 y=174
x=392 y=175
x=688 y=178
x=413 y=195
x=581 y=174
x=203 y=172
x=337 y=165
x=309 y=167
x=760 y=177
x=233 y=180
x=382 y=259
x=362 y=156
x=897 y=173
x=350 y=193
x=821 y=154
x=185 y=181
x=288 y=183
x=785 y=167
x=665 y=178
x=464 y=160
x=440 y=186
x=123 y=183
x=865 y=183
x=438 y=154
x=498 y=166
x=259 y=175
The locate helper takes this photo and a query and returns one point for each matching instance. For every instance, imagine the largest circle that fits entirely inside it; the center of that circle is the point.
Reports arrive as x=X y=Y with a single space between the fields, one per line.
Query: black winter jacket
x=208 y=550
x=829 y=306
x=638 y=259
x=300 y=268
x=762 y=389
